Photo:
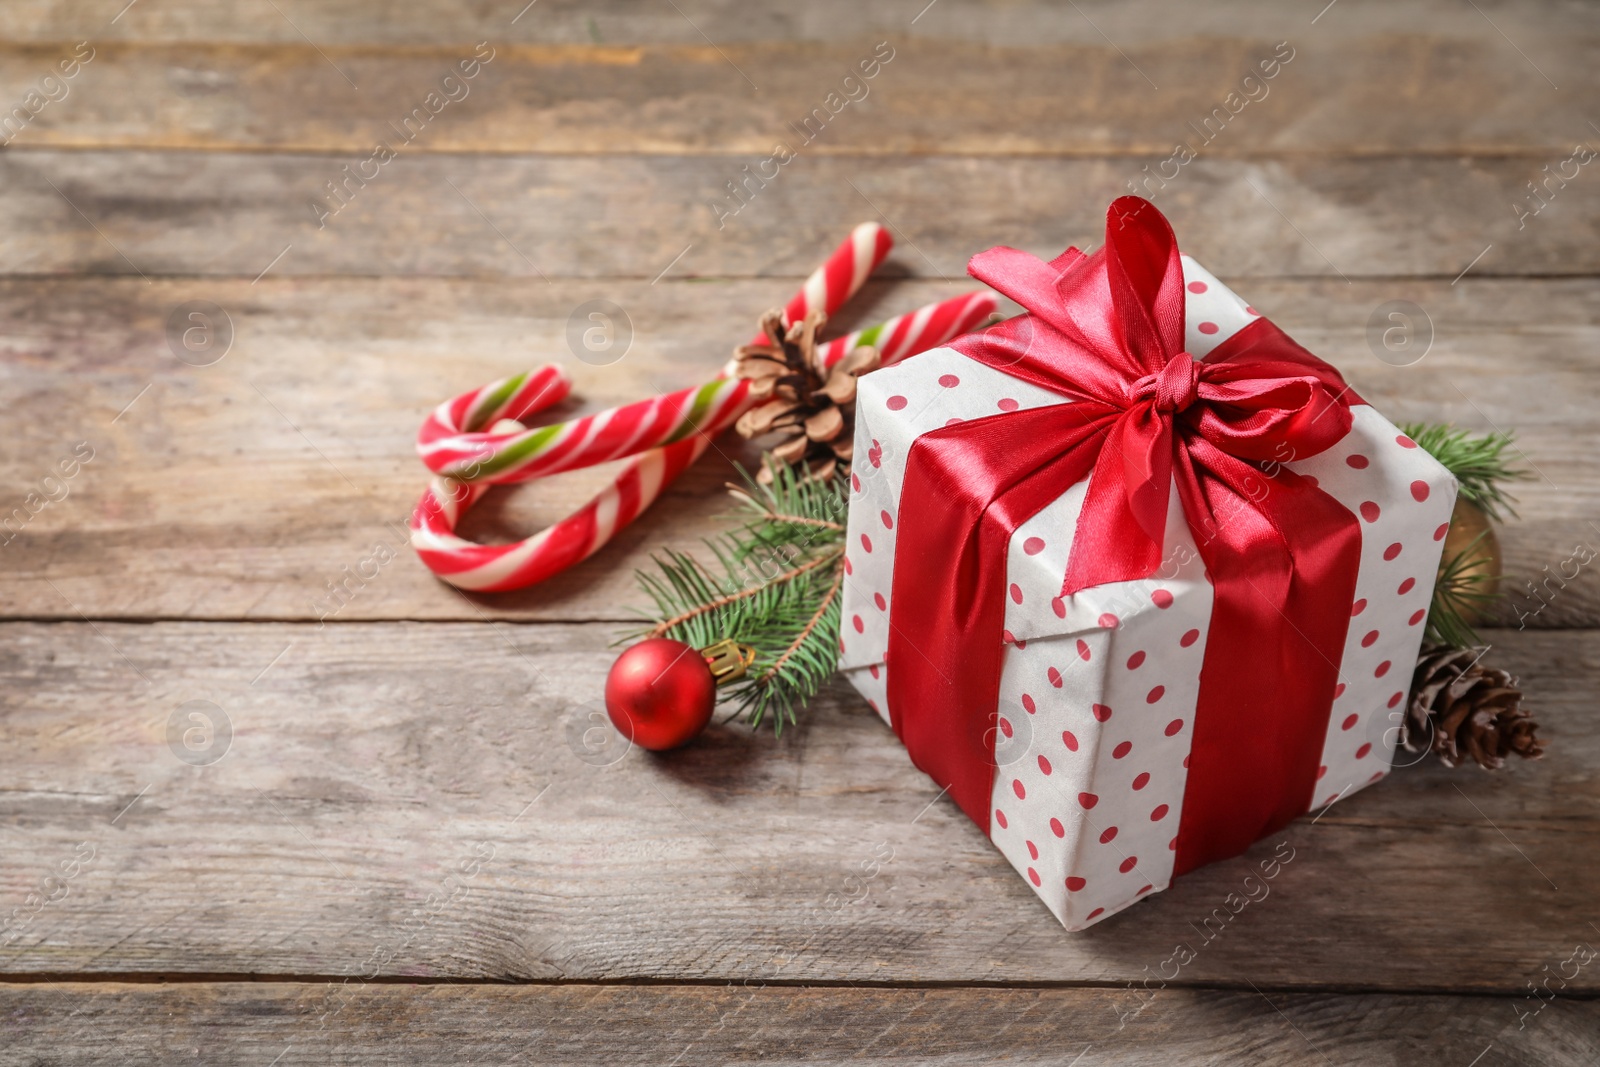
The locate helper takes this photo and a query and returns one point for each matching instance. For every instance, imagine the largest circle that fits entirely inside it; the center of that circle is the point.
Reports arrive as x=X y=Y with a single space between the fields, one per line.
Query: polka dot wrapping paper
x=1098 y=689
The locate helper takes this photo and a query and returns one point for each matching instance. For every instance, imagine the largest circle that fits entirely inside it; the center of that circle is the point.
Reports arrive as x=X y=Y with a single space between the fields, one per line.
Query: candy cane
x=672 y=431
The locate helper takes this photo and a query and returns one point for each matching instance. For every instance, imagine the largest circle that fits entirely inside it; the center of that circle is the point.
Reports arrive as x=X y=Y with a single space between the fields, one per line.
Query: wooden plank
x=303 y=1023
x=222 y=491
x=425 y=22
x=419 y=800
x=1461 y=90
x=243 y=213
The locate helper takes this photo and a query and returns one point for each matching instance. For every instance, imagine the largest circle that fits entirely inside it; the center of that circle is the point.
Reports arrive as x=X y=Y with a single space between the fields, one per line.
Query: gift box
x=1135 y=577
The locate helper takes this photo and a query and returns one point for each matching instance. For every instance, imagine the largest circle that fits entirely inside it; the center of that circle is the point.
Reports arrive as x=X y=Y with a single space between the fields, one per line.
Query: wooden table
x=405 y=852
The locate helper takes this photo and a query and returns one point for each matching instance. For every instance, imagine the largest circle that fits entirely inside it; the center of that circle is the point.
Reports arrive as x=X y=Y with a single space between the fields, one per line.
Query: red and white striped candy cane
x=473 y=442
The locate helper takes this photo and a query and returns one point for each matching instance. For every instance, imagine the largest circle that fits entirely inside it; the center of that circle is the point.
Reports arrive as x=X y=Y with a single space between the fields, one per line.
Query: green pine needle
x=1477 y=460
x=1479 y=464
x=774 y=586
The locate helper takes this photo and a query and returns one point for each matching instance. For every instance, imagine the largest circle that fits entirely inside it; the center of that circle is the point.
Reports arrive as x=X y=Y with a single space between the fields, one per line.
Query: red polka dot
x=1358 y=607
x=1189 y=638
x=1069 y=739
x=1128 y=864
x=1331 y=799
x=1405 y=442
x=1028 y=705
x=1108 y=621
x=1058 y=606
x=1000 y=817
x=1417 y=616
x=1395 y=700
x=1083 y=650
x=1044 y=764
x=1033 y=546
x=1349 y=722
x=866 y=542
x=1141 y=780
x=1160 y=813
x=855 y=482
x=1057 y=829
x=1197 y=287
x=1361 y=753
x=877 y=598
x=1143 y=891
x=1392 y=551
x=1054 y=676
x=1108 y=835
x=895 y=403
x=1370 y=511
x=873 y=670
x=1376 y=775
x=1358 y=461
x=1007 y=404
x=1419 y=491
x=1155 y=694
x=1172 y=846
x=1208 y=328
x=1016 y=594
x=849 y=568
x=1094 y=913
x=1033 y=849
x=1007 y=637
x=1186 y=763
x=861 y=627
x=1370 y=639
x=949 y=381
x=1101 y=712
x=1136 y=660
x=1310 y=480
x=1251 y=311
x=1383 y=669
x=1444 y=528
x=1075 y=883
x=887 y=519
x=1406 y=586
x=1162 y=599
x=1338 y=691
x=1033 y=876
x=1088 y=800
x=1017 y=788
x=954 y=421
x=1321 y=771
x=1173 y=727
x=1122 y=750
x=1005 y=726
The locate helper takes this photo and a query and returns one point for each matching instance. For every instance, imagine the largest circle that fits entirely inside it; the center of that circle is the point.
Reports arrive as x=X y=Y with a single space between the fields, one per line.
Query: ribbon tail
x=1282 y=557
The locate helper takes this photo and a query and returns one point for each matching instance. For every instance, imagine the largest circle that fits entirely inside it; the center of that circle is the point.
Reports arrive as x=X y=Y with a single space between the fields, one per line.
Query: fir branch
x=774 y=585
x=1457 y=592
x=1478 y=462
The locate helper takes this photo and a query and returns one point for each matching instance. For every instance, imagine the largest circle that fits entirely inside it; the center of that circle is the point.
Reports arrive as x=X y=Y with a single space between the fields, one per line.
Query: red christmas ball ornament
x=660 y=693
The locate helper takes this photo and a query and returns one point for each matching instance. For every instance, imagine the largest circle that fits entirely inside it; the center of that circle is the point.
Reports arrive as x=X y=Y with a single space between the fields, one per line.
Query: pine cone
x=811 y=408
x=1467 y=709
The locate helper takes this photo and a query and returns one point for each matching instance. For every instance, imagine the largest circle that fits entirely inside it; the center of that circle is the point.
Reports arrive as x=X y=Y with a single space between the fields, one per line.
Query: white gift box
x=1099 y=689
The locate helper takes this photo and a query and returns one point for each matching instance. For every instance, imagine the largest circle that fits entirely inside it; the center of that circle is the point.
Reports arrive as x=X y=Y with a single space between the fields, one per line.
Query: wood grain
x=154 y=213
x=251 y=1022
x=1453 y=88
x=242 y=489
x=421 y=800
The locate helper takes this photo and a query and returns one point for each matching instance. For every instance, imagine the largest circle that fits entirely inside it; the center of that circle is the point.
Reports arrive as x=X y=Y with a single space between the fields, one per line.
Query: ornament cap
x=728 y=660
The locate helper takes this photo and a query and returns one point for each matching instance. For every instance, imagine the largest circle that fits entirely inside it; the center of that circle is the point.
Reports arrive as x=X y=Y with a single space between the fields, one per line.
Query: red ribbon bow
x=1107 y=331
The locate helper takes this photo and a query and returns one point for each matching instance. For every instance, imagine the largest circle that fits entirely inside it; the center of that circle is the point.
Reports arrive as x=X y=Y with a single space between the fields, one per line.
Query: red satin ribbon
x=1107 y=330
